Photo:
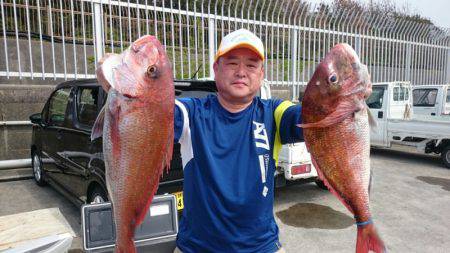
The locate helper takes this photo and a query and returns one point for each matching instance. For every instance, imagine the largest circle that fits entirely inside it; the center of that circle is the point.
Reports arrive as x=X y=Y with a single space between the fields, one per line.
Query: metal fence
x=64 y=39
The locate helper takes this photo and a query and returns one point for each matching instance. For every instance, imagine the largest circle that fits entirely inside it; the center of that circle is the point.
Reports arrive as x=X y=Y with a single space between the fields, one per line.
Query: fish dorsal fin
x=97 y=128
x=345 y=109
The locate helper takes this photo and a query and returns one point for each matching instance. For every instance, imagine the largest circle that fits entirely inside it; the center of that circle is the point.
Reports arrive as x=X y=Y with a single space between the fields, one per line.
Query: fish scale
x=137 y=128
x=336 y=126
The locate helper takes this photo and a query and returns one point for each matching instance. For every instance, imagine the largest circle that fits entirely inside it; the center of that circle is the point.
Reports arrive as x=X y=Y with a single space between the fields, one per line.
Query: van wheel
x=321 y=184
x=445 y=155
x=38 y=170
x=97 y=195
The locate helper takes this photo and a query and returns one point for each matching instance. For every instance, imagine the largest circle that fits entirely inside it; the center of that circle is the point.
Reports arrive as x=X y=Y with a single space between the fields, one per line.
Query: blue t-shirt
x=229 y=166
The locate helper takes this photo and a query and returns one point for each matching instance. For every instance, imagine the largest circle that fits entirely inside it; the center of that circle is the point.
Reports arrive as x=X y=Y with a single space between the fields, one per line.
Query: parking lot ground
x=410 y=203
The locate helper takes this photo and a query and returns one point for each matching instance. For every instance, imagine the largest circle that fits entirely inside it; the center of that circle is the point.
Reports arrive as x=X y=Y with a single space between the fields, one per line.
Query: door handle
x=380 y=114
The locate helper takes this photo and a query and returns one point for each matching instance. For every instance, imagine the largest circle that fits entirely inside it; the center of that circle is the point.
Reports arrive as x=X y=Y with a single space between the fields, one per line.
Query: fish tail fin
x=126 y=243
x=368 y=240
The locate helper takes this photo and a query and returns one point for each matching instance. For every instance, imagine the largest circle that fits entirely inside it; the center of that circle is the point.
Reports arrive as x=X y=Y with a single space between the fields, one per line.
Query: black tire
x=97 y=195
x=38 y=170
x=445 y=155
x=321 y=184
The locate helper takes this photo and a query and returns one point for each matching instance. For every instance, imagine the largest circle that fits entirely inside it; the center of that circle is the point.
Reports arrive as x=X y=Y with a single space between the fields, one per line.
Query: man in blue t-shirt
x=229 y=148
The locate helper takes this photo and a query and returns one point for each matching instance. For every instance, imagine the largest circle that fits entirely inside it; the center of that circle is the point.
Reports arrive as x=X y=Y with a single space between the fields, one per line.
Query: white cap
x=241 y=38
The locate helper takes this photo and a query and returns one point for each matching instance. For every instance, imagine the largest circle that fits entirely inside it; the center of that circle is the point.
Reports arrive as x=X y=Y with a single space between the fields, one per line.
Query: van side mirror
x=36 y=118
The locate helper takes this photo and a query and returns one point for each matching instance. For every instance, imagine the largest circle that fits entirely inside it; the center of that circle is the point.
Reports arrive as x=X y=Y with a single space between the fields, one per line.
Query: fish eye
x=333 y=79
x=152 y=71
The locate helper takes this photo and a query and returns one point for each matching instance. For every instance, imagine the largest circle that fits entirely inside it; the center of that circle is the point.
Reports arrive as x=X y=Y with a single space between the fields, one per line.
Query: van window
x=375 y=101
x=424 y=97
x=57 y=107
x=87 y=105
x=402 y=94
x=396 y=93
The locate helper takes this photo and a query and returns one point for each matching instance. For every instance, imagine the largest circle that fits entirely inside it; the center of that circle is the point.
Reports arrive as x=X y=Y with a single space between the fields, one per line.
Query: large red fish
x=137 y=128
x=336 y=130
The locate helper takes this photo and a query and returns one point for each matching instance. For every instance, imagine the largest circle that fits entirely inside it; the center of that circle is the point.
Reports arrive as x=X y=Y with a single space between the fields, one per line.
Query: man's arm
x=287 y=116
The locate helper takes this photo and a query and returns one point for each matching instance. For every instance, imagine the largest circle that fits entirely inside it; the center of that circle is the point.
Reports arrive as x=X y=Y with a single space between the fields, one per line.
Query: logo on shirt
x=260 y=135
x=262 y=141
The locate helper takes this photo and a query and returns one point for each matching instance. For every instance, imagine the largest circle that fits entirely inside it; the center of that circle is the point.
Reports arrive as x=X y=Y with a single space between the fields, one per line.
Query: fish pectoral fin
x=344 y=110
x=97 y=128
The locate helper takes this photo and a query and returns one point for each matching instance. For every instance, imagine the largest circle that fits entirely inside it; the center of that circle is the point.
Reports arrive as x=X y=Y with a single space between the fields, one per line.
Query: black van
x=63 y=154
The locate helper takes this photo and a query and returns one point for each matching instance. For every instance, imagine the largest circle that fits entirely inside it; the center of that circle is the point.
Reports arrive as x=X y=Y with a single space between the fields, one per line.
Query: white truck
x=397 y=123
x=431 y=100
x=294 y=161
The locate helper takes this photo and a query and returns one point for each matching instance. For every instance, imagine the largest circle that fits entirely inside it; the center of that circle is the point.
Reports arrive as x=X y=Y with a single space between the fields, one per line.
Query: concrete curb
x=16 y=174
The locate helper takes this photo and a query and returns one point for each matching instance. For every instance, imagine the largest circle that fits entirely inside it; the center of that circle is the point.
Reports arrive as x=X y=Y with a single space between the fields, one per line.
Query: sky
x=436 y=10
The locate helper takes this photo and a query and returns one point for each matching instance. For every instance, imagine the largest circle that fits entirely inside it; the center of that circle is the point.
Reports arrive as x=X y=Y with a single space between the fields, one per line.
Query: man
x=229 y=147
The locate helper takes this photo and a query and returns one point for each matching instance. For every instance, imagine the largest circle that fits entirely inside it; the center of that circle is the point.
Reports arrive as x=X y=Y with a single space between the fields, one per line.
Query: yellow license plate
x=179 y=198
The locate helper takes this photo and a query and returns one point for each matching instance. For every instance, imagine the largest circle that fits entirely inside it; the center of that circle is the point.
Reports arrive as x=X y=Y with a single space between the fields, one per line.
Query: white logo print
x=260 y=134
x=262 y=141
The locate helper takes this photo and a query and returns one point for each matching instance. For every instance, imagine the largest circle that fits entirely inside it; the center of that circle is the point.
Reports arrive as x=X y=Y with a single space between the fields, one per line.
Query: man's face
x=239 y=74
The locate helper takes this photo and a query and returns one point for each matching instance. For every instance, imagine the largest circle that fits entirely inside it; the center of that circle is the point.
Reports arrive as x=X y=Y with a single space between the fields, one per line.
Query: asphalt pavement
x=410 y=204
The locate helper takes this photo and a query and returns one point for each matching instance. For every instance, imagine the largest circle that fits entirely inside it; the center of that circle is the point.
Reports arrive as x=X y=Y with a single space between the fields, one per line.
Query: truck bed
x=419 y=127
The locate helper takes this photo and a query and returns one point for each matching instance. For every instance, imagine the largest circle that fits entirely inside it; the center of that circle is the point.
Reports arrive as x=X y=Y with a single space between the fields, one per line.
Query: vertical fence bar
x=75 y=69
x=98 y=31
x=278 y=42
x=138 y=20
x=211 y=40
x=180 y=39
x=188 y=40
x=172 y=30
x=309 y=42
x=306 y=8
x=203 y=41
x=5 y=44
x=196 y=35
x=40 y=39
x=51 y=37
x=266 y=47
x=408 y=62
x=164 y=26
x=29 y=38
x=111 y=24
x=17 y=39
x=147 y=26
x=447 y=64
x=63 y=39
x=130 y=36
x=84 y=39
x=294 y=63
